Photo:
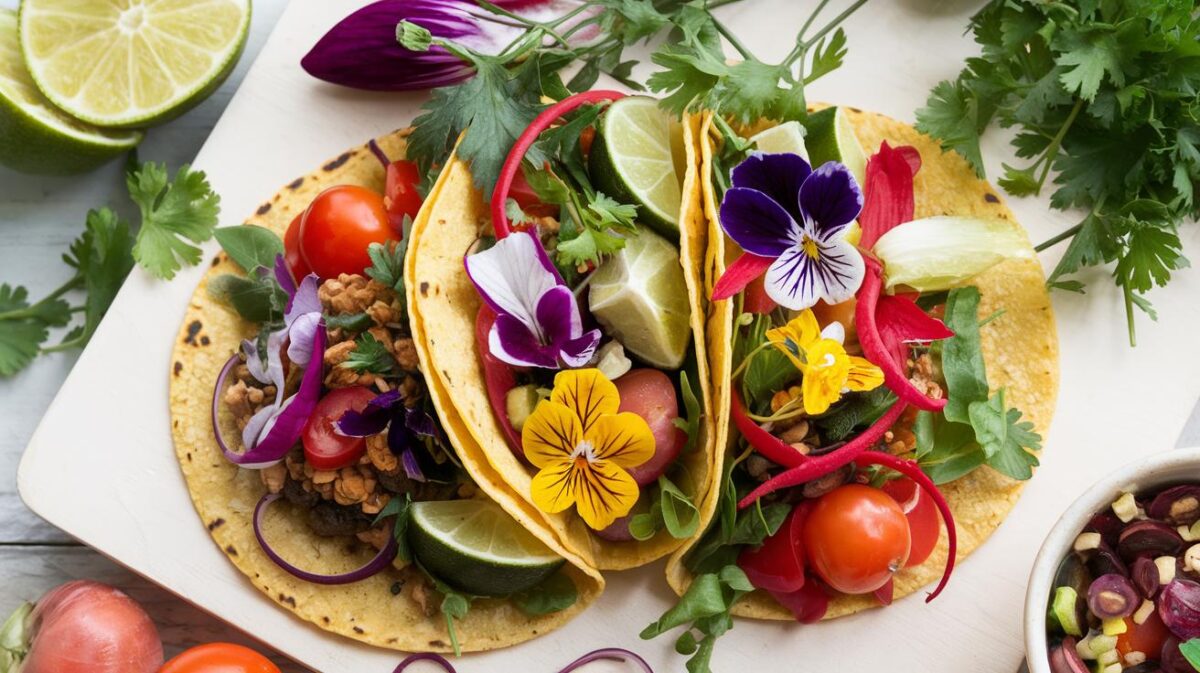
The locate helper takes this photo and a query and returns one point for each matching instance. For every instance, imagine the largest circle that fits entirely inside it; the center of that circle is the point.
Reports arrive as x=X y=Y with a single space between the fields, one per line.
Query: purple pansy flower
x=407 y=428
x=538 y=323
x=780 y=208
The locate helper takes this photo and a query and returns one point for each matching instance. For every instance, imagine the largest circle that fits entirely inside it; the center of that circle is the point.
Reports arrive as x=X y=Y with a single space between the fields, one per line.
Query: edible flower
x=408 y=428
x=584 y=448
x=538 y=323
x=793 y=221
x=828 y=370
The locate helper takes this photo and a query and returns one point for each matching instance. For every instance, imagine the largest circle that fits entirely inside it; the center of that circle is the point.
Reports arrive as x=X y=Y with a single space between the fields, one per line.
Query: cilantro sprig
x=1103 y=96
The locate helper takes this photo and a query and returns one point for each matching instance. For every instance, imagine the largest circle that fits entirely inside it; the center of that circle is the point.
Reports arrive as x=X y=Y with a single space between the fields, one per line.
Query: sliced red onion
x=610 y=654
x=283 y=276
x=381 y=560
x=1145 y=577
x=1111 y=596
x=425 y=656
x=1064 y=658
x=1179 y=608
x=1178 y=506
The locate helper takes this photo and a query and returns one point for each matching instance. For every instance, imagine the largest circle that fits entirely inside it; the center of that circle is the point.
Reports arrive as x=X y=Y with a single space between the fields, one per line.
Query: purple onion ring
x=425 y=656
x=609 y=653
x=373 y=567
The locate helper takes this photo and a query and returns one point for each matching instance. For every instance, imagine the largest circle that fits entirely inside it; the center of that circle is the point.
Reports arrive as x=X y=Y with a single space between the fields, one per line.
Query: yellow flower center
x=810 y=248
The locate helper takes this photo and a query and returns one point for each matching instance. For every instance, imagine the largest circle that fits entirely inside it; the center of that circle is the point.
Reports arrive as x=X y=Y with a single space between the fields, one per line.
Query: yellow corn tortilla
x=225 y=495
x=1020 y=349
x=444 y=305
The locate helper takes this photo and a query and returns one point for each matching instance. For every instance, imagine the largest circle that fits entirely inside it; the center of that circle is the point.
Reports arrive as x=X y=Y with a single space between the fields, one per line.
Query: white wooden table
x=38 y=219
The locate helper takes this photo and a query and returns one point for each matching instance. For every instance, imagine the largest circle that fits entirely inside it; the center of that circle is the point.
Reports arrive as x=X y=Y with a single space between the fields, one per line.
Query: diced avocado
x=1101 y=643
x=1064 y=610
x=519 y=403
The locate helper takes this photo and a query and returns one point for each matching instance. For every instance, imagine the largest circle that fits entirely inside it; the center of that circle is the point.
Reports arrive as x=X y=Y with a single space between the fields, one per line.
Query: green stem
x=1058 y=238
x=809 y=22
x=801 y=48
x=1129 y=315
x=733 y=40
x=1056 y=143
x=32 y=311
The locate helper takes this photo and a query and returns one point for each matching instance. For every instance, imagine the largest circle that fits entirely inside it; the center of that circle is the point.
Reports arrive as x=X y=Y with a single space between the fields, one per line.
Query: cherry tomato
x=339 y=225
x=291 y=250
x=650 y=394
x=522 y=192
x=219 y=658
x=402 y=197
x=1147 y=637
x=324 y=448
x=856 y=538
x=778 y=565
x=924 y=522
x=755 y=299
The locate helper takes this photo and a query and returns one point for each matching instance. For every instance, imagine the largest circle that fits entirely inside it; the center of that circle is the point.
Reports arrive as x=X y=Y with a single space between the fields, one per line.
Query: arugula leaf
x=555 y=594
x=174 y=212
x=705 y=609
x=370 y=355
x=1005 y=440
x=962 y=355
x=251 y=247
x=680 y=515
x=946 y=451
x=1191 y=651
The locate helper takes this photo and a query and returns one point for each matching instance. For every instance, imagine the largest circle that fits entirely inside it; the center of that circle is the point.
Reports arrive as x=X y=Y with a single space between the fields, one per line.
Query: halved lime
x=131 y=63
x=35 y=137
x=640 y=297
x=787 y=138
x=638 y=158
x=831 y=138
x=476 y=547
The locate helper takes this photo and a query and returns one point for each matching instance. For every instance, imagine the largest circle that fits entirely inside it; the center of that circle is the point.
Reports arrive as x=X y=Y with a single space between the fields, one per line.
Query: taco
x=865 y=374
x=314 y=451
x=572 y=346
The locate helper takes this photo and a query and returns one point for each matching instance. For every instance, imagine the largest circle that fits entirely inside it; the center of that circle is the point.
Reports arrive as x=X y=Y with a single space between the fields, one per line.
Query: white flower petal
x=841 y=270
x=511 y=278
x=835 y=331
x=792 y=280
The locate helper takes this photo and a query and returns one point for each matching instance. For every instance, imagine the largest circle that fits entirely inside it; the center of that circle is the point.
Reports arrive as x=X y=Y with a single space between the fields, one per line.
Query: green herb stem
x=1056 y=143
x=1058 y=238
x=733 y=40
x=802 y=47
x=32 y=311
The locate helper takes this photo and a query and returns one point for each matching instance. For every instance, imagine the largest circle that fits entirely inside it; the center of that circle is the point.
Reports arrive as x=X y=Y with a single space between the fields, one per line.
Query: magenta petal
x=579 y=352
x=283 y=276
x=831 y=199
x=779 y=176
x=306 y=299
x=266 y=368
x=511 y=341
x=758 y=223
x=283 y=425
x=558 y=315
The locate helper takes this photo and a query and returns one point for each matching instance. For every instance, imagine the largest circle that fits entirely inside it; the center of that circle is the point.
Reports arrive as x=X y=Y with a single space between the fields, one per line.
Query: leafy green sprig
x=1103 y=96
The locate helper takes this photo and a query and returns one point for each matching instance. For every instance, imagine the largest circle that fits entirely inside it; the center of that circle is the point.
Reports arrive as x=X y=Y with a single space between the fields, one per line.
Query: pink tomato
x=650 y=394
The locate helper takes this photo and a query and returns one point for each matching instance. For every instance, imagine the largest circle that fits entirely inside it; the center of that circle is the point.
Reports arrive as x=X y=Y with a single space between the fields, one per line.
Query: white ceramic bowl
x=1148 y=473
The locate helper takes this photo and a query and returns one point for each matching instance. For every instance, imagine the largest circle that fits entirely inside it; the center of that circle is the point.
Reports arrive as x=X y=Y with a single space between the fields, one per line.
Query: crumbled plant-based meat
x=405 y=351
x=422 y=594
x=398 y=483
x=758 y=467
x=338 y=376
x=380 y=454
x=350 y=487
x=245 y=397
x=384 y=314
x=274 y=477
x=330 y=519
x=294 y=492
x=924 y=378
x=352 y=293
x=377 y=537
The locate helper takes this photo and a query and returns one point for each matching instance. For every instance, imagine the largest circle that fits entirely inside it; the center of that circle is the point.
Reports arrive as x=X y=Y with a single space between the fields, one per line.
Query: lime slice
x=34 y=136
x=831 y=138
x=476 y=547
x=129 y=63
x=787 y=138
x=640 y=297
x=638 y=158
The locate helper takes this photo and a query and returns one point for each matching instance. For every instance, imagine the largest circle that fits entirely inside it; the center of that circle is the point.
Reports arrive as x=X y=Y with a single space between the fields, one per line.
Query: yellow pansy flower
x=828 y=371
x=583 y=448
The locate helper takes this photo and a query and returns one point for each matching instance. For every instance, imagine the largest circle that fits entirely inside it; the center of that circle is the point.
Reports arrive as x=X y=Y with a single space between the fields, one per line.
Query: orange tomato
x=220 y=658
x=1147 y=637
x=856 y=537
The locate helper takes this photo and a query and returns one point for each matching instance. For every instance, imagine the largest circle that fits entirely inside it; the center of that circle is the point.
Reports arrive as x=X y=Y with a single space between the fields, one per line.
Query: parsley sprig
x=1104 y=98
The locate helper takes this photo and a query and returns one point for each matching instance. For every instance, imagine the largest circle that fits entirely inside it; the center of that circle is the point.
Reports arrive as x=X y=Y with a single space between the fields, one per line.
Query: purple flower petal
x=512 y=341
x=831 y=199
x=412 y=467
x=270 y=370
x=374 y=417
x=306 y=299
x=276 y=428
x=758 y=223
x=578 y=352
x=421 y=423
x=301 y=334
x=558 y=314
x=512 y=276
x=283 y=276
x=779 y=176
x=400 y=440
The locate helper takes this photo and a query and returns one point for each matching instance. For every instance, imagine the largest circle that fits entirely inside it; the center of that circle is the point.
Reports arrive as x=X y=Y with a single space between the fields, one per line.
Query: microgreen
x=705 y=609
x=1191 y=651
x=370 y=355
x=555 y=594
x=398 y=509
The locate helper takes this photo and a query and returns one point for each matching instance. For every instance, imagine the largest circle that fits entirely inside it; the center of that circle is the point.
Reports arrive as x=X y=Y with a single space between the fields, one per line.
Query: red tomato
x=339 y=225
x=402 y=197
x=755 y=299
x=1147 y=637
x=778 y=565
x=86 y=627
x=856 y=538
x=219 y=658
x=650 y=394
x=324 y=448
x=924 y=522
x=291 y=250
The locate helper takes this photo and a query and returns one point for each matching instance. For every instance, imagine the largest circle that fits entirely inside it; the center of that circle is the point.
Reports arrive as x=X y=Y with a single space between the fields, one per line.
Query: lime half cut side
x=131 y=63
x=831 y=138
x=637 y=158
x=640 y=296
x=476 y=547
x=35 y=137
x=787 y=138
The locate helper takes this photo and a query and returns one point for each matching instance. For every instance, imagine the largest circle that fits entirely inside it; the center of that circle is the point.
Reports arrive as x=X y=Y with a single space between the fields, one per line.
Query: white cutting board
x=102 y=468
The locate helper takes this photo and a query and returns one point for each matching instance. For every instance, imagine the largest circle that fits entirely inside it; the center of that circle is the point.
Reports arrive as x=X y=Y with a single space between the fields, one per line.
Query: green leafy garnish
x=672 y=509
x=175 y=215
x=555 y=594
x=398 y=509
x=351 y=322
x=251 y=247
x=1191 y=651
x=370 y=355
x=690 y=423
x=256 y=298
x=705 y=610
x=387 y=261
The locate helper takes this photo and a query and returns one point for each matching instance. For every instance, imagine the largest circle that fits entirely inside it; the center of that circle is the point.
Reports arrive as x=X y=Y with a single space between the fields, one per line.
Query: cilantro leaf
x=102 y=256
x=21 y=338
x=952 y=114
x=175 y=214
x=1086 y=57
x=370 y=355
x=555 y=594
x=1006 y=442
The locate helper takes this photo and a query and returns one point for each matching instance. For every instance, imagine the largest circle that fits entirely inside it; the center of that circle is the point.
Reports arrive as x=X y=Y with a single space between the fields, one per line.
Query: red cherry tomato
x=755 y=299
x=856 y=538
x=522 y=192
x=291 y=250
x=324 y=448
x=1147 y=637
x=924 y=522
x=339 y=225
x=402 y=198
x=219 y=658
x=650 y=394
x=778 y=565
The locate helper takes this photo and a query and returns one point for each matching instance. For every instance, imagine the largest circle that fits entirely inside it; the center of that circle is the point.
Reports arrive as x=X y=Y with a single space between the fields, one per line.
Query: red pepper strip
x=512 y=165
x=498 y=378
x=910 y=469
x=888 y=200
x=877 y=350
x=740 y=274
x=886 y=593
x=808 y=604
x=802 y=467
x=900 y=320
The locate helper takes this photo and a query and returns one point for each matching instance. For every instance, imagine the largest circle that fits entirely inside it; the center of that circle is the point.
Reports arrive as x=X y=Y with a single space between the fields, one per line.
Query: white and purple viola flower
x=538 y=322
x=407 y=429
x=780 y=209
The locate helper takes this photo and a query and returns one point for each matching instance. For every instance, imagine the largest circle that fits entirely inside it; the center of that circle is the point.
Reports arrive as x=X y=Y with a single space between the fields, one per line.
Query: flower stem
x=1058 y=238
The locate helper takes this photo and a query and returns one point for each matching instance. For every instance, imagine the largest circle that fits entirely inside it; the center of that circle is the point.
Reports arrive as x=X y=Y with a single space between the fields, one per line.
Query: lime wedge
x=35 y=137
x=831 y=138
x=131 y=63
x=787 y=138
x=640 y=297
x=637 y=158
x=476 y=547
